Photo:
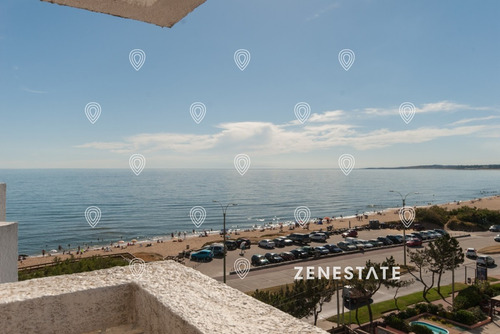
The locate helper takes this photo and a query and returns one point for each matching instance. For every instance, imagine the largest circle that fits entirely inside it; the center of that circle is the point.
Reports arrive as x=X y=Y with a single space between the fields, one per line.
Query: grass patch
x=70 y=266
x=490 y=250
x=403 y=302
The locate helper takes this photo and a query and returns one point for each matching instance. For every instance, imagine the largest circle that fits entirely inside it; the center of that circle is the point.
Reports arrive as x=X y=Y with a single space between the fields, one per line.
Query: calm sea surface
x=50 y=204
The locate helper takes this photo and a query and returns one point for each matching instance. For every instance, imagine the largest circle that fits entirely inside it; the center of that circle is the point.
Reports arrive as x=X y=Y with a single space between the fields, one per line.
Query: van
x=351 y=240
x=300 y=238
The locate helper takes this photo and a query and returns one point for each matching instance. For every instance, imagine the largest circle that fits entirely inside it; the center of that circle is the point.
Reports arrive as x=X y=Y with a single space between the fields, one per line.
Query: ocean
x=50 y=204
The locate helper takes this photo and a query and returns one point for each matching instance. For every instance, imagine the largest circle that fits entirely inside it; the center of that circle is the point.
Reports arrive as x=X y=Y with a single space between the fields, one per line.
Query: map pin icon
x=197 y=111
x=137 y=162
x=137 y=267
x=346 y=58
x=93 y=111
x=242 y=58
x=137 y=57
x=407 y=111
x=407 y=215
x=242 y=163
x=346 y=163
x=198 y=215
x=93 y=215
x=302 y=215
x=302 y=111
x=242 y=267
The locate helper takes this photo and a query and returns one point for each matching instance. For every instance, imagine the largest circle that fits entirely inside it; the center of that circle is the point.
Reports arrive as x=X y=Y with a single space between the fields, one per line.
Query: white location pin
x=242 y=267
x=242 y=163
x=242 y=58
x=302 y=111
x=302 y=215
x=137 y=267
x=407 y=111
x=137 y=163
x=93 y=111
x=346 y=58
x=93 y=215
x=198 y=215
x=197 y=111
x=346 y=163
x=137 y=57
x=407 y=215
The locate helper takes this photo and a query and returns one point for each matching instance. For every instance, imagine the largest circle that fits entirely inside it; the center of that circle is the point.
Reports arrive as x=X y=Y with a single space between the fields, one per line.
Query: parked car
x=333 y=248
x=418 y=227
x=418 y=235
x=311 y=251
x=202 y=255
x=318 y=237
x=351 y=240
x=266 y=243
x=278 y=242
x=322 y=250
x=231 y=244
x=299 y=253
x=350 y=233
x=414 y=242
x=364 y=243
x=471 y=253
x=385 y=241
x=240 y=240
x=441 y=231
x=273 y=257
x=376 y=243
x=300 y=238
x=259 y=260
x=394 y=239
x=497 y=238
x=217 y=249
x=425 y=235
x=494 y=228
x=433 y=235
x=286 y=241
x=287 y=256
x=345 y=246
x=485 y=260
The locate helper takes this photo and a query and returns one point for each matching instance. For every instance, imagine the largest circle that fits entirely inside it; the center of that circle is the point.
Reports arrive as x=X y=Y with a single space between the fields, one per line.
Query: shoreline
x=166 y=246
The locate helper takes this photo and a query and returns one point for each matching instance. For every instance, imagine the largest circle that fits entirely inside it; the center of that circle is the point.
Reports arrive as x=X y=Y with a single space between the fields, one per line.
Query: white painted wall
x=8 y=252
x=3 y=197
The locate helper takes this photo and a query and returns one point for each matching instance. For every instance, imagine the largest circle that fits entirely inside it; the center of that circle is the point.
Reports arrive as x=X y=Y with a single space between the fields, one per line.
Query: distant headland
x=460 y=167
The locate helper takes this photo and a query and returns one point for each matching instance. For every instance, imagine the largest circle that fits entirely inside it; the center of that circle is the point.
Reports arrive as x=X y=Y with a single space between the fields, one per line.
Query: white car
x=321 y=237
x=497 y=238
x=485 y=260
x=471 y=253
x=266 y=243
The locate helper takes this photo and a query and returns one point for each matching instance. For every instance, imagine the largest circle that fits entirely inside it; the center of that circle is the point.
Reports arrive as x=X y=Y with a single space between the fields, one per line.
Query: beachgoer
x=43 y=252
x=243 y=246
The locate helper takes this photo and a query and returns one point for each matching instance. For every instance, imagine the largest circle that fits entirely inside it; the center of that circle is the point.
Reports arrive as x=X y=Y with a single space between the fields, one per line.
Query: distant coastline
x=458 y=167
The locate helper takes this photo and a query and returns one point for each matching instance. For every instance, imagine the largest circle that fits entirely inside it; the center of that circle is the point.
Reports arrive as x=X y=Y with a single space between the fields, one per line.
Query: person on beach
x=243 y=246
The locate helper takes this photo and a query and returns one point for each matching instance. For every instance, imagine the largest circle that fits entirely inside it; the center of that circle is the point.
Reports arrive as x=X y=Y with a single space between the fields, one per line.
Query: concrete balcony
x=166 y=298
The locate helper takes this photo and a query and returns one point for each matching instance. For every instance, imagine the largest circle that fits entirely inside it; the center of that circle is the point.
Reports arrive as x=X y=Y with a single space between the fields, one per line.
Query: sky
x=441 y=56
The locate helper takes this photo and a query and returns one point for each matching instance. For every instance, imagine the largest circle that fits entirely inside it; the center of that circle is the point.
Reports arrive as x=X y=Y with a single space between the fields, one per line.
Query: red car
x=414 y=242
x=350 y=233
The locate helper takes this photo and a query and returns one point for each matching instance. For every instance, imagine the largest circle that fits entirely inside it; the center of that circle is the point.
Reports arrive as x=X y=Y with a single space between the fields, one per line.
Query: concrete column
x=3 y=197
x=8 y=252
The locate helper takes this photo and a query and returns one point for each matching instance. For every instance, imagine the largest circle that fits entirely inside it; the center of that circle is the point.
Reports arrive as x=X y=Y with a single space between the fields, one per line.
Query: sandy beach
x=171 y=247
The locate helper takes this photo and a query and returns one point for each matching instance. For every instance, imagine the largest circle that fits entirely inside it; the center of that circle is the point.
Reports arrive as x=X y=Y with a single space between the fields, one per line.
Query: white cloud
x=477 y=119
x=323 y=131
x=441 y=106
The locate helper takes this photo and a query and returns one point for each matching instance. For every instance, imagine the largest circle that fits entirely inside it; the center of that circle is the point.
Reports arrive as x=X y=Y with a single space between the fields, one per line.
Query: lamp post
x=404 y=227
x=224 y=209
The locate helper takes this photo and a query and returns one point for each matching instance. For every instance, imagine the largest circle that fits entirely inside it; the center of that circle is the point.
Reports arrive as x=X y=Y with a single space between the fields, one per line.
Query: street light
x=404 y=227
x=224 y=209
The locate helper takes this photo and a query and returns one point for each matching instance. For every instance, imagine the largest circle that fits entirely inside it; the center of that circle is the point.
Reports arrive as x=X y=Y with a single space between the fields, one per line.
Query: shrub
x=434 y=215
x=433 y=309
x=478 y=314
x=468 y=297
x=422 y=308
x=395 y=322
x=419 y=329
x=411 y=312
x=464 y=317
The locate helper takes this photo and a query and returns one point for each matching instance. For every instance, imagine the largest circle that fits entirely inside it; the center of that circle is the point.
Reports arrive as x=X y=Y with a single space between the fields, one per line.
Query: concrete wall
x=3 y=198
x=8 y=252
x=167 y=298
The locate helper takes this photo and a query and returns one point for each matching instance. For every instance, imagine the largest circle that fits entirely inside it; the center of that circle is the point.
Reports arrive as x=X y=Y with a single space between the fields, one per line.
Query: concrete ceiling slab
x=164 y=13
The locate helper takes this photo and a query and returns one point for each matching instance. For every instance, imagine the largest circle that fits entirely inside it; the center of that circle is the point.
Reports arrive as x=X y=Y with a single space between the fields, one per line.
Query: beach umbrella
x=121 y=242
x=133 y=241
x=53 y=251
x=164 y=13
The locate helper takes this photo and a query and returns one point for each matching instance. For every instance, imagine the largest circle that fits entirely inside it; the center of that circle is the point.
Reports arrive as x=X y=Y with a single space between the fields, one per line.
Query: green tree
x=422 y=260
x=445 y=254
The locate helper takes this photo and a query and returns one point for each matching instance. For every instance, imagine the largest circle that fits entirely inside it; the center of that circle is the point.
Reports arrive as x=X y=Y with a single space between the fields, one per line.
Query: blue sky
x=444 y=57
